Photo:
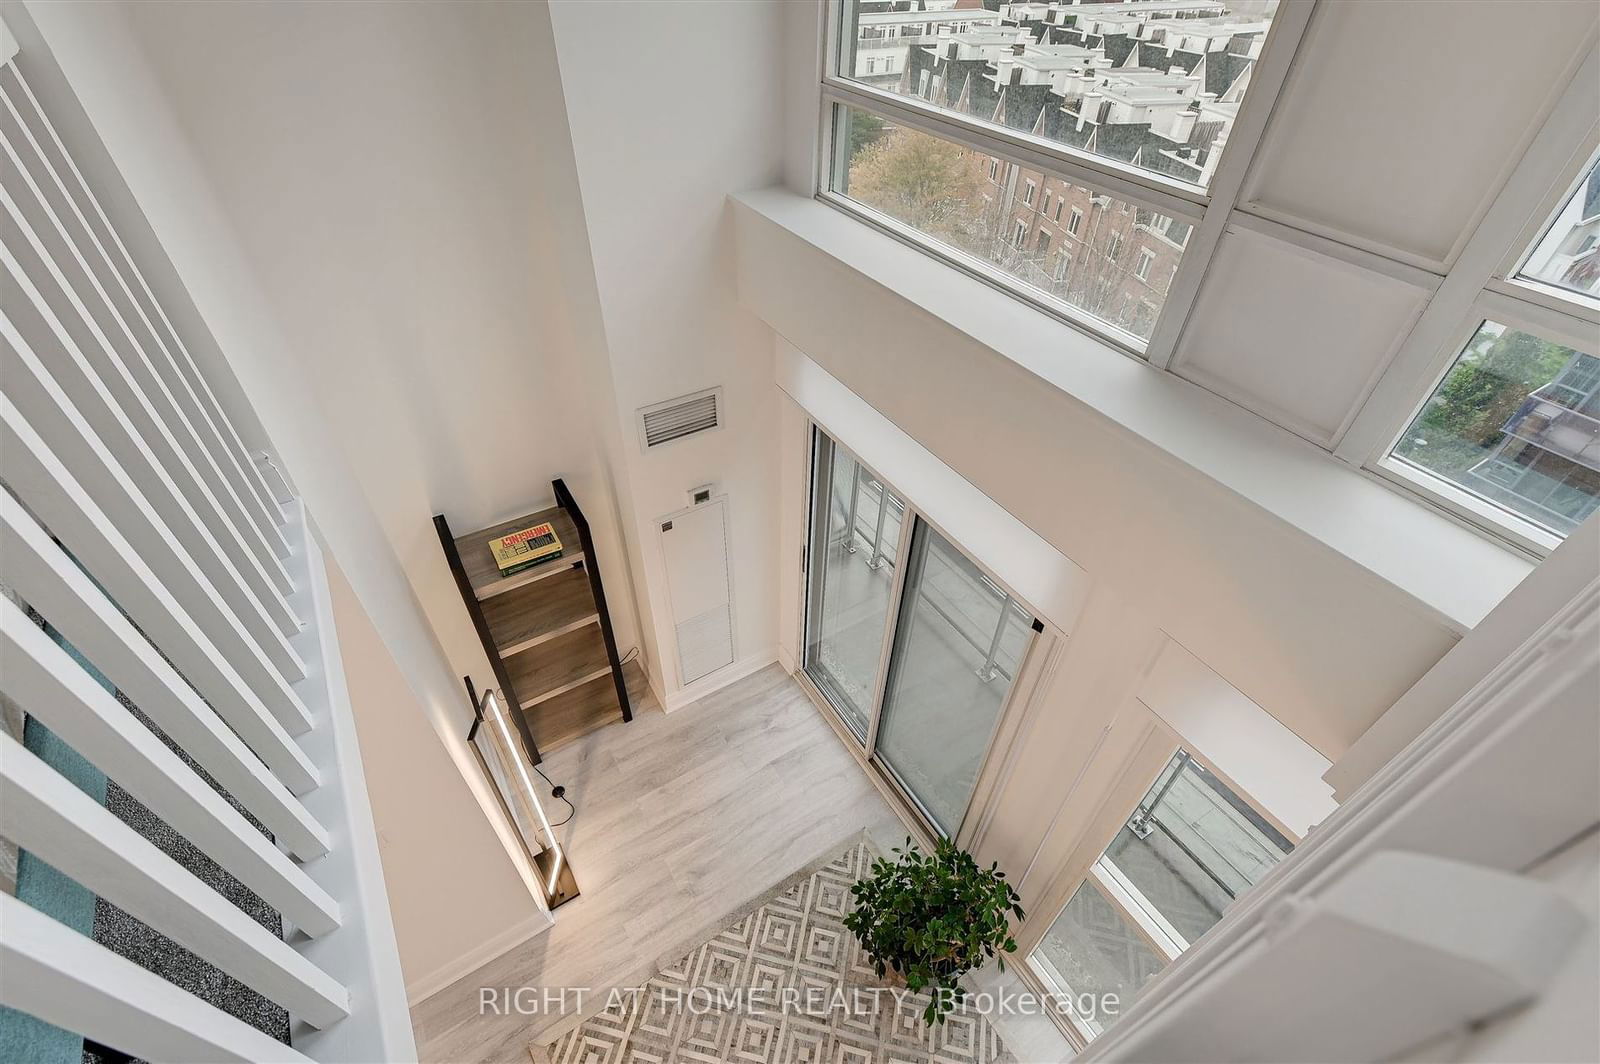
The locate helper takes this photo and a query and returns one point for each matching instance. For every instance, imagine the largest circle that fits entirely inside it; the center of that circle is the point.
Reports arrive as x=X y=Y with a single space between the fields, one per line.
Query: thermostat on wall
x=702 y=494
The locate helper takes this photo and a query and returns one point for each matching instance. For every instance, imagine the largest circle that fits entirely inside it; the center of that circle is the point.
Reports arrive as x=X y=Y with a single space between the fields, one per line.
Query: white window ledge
x=1455 y=574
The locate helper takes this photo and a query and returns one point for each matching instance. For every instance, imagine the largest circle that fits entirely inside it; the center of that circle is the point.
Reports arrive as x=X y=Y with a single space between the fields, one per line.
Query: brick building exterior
x=1108 y=258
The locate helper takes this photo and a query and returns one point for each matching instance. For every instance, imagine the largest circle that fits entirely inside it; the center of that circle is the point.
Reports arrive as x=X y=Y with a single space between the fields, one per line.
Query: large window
x=1516 y=423
x=1148 y=89
x=1568 y=256
x=1509 y=435
x=917 y=657
x=1188 y=851
x=1091 y=159
x=1110 y=113
x=935 y=189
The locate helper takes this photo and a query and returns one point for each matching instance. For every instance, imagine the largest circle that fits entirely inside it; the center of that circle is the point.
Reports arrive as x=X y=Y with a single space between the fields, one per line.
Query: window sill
x=1453 y=574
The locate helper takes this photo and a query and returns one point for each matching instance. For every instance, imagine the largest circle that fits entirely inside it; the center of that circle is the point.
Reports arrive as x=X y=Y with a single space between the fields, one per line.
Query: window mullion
x=1158 y=934
x=1428 y=350
x=1272 y=70
x=1574 y=330
x=1548 y=299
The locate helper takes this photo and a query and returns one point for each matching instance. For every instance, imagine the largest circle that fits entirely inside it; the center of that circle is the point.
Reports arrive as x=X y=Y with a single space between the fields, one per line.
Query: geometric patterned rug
x=785 y=983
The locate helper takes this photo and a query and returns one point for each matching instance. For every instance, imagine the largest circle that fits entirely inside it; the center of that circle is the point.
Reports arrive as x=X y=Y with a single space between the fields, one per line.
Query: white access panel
x=694 y=543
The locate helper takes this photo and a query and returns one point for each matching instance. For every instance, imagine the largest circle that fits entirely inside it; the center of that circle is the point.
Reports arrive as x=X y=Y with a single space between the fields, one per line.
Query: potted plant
x=933 y=918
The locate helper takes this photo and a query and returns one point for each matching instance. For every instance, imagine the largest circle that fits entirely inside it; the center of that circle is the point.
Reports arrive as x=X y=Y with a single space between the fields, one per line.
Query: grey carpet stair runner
x=23 y=1037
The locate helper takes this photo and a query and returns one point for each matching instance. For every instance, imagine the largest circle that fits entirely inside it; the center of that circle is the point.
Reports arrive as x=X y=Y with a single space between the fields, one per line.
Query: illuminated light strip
x=500 y=722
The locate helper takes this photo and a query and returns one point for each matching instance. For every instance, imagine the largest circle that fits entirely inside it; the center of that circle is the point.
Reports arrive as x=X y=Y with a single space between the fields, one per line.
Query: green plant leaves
x=932 y=918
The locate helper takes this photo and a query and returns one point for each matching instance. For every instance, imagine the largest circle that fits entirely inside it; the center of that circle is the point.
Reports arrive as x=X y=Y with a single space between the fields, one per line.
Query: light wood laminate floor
x=682 y=819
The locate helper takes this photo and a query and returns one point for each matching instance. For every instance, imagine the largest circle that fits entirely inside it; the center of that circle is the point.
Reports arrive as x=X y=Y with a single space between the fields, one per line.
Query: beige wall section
x=429 y=827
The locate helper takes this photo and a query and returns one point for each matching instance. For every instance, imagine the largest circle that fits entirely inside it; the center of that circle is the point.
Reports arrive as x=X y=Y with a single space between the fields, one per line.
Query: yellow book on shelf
x=526 y=548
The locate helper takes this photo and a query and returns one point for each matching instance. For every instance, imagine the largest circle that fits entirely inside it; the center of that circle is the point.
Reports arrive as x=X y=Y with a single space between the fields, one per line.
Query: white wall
x=378 y=164
x=659 y=138
x=1513 y=622
x=340 y=353
x=1468 y=791
x=1278 y=614
x=398 y=749
x=1561 y=1025
x=1115 y=695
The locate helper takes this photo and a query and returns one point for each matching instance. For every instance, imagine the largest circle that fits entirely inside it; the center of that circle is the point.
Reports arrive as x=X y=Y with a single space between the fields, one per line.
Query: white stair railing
x=133 y=521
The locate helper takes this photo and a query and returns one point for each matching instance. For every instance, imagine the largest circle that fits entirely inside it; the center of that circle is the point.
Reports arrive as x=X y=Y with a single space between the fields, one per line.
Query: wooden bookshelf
x=555 y=667
x=533 y=614
x=546 y=630
x=484 y=575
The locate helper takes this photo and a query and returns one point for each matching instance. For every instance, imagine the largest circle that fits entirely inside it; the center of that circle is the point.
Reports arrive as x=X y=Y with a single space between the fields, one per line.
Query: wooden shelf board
x=529 y=703
x=536 y=613
x=484 y=575
x=558 y=665
x=528 y=576
x=538 y=640
x=575 y=713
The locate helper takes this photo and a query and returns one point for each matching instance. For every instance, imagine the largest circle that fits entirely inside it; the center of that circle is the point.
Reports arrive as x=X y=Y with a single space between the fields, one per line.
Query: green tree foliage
x=934 y=918
x=865 y=128
x=1465 y=400
x=1523 y=364
x=923 y=181
x=1467 y=414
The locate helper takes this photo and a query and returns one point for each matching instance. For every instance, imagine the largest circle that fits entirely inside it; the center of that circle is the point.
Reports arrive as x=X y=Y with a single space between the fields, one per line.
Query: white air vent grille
x=705 y=644
x=680 y=417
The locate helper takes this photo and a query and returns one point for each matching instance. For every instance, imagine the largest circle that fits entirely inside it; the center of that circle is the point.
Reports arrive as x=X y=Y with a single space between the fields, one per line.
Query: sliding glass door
x=923 y=701
x=957 y=648
x=855 y=533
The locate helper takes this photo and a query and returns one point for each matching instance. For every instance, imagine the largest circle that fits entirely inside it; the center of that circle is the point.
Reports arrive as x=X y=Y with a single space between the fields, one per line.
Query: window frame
x=1087 y=866
x=1486 y=261
x=1507 y=524
x=1509 y=280
x=1020 y=700
x=1482 y=284
x=1102 y=879
x=1141 y=268
x=1205 y=209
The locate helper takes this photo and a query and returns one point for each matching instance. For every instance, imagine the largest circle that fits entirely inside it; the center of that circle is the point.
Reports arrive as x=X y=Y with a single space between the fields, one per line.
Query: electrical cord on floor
x=559 y=792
